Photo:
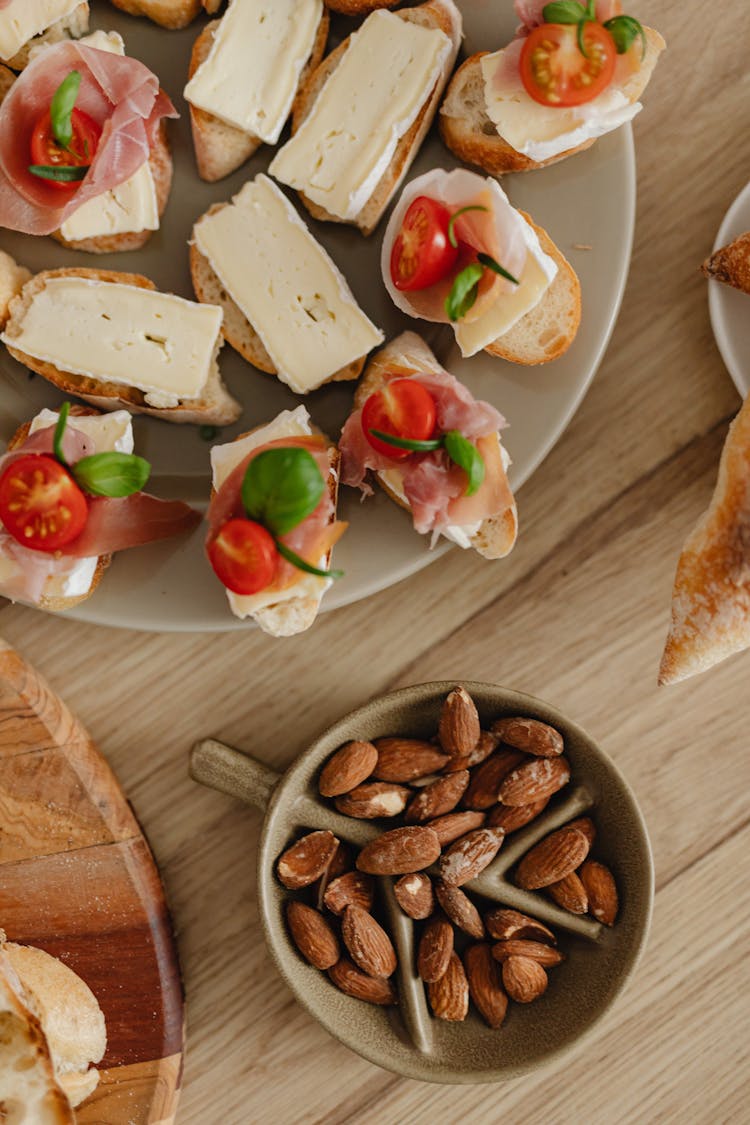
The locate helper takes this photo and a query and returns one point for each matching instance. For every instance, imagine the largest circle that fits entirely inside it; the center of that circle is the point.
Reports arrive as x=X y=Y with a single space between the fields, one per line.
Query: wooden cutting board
x=77 y=878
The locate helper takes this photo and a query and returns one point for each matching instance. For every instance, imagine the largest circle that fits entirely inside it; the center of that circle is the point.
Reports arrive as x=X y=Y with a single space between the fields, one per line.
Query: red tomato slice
x=403 y=408
x=422 y=253
x=244 y=556
x=554 y=70
x=80 y=152
x=40 y=504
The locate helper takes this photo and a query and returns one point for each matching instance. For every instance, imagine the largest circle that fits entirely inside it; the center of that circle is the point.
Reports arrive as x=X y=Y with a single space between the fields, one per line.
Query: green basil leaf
x=282 y=487
x=467 y=456
x=591 y=10
x=300 y=563
x=111 y=474
x=57 y=437
x=625 y=30
x=413 y=444
x=491 y=264
x=580 y=32
x=61 y=108
x=451 y=232
x=63 y=173
x=563 y=11
x=463 y=292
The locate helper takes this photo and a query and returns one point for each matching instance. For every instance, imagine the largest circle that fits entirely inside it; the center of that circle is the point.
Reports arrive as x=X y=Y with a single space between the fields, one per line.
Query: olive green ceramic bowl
x=406 y=1039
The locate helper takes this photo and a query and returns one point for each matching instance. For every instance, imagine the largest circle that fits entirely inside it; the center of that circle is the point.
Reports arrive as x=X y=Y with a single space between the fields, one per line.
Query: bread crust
x=359 y=7
x=172 y=14
x=731 y=264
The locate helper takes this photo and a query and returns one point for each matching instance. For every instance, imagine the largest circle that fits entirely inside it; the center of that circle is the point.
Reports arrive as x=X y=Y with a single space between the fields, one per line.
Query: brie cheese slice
x=21 y=20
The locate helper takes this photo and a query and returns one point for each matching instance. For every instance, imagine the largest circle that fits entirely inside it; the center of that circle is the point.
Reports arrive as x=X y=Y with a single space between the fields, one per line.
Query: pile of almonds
x=459 y=795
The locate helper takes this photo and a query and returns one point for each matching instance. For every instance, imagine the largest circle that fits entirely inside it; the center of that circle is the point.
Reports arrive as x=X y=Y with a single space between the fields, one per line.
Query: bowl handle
x=233 y=772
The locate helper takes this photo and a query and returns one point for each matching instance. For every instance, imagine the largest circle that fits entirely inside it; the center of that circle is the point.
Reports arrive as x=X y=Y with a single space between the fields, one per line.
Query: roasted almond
x=405 y=759
x=484 y=787
x=347 y=977
x=586 y=825
x=569 y=893
x=459 y=729
x=601 y=890
x=503 y=924
x=369 y=946
x=312 y=935
x=354 y=888
x=399 y=852
x=467 y=857
x=531 y=736
x=552 y=859
x=449 y=996
x=534 y=780
x=485 y=987
x=487 y=744
x=342 y=860
x=374 y=799
x=438 y=798
x=511 y=819
x=524 y=980
x=454 y=825
x=414 y=895
x=459 y=908
x=537 y=951
x=306 y=860
x=435 y=949
x=347 y=768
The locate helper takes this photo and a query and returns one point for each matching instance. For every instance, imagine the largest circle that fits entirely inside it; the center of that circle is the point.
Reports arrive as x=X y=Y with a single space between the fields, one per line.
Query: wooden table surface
x=577 y=615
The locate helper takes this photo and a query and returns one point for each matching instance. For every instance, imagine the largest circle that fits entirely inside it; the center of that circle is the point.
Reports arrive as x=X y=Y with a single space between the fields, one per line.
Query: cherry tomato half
x=80 y=151
x=40 y=504
x=422 y=254
x=244 y=556
x=555 y=71
x=403 y=408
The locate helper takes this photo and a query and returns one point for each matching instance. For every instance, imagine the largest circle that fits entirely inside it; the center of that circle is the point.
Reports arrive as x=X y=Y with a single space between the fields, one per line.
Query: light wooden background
x=577 y=615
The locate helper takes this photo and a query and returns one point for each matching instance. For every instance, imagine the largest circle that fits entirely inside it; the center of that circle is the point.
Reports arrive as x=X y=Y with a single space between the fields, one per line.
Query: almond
x=369 y=946
x=511 y=819
x=449 y=996
x=404 y=759
x=342 y=860
x=454 y=825
x=484 y=787
x=487 y=745
x=414 y=895
x=485 y=987
x=569 y=893
x=459 y=908
x=435 y=949
x=438 y=798
x=347 y=768
x=351 y=889
x=586 y=825
x=306 y=860
x=524 y=980
x=464 y=859
x=602 y=891
x=552 y=859
x=374 y=799
x=399 y=852
x=531 y=736
x=312 y=935
x=534 y=780
x=459 y=727
x=535 y=950
x=350 y=980
x=504 y=924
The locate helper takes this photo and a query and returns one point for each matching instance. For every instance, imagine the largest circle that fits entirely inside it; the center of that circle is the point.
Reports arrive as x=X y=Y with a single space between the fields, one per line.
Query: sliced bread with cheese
x=27 y=24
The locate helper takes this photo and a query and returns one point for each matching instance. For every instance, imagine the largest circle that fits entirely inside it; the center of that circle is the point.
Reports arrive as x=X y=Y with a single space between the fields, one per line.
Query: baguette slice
x=216 y=406
x=359 y=7
x=406 y=355
x=711 y=596
x=440 y=14
x=172 y=14
x=69 y=27
x=731 y=264
x=221 y=149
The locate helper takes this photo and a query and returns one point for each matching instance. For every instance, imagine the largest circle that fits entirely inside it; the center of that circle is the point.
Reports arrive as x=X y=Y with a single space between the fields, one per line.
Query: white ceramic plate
x=729 y=308
x=586 y=203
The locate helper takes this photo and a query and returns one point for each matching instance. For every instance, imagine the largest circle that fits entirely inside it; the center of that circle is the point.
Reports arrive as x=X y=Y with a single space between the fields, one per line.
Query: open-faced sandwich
x=245 y=71
x=432 y=447
x=172 y=14
x=25 y=24
x=83 y=147
x=272 y=522
x=362 y=115
x=70 y=496
x=292 y=315
x=575 y=71
x=456 y=252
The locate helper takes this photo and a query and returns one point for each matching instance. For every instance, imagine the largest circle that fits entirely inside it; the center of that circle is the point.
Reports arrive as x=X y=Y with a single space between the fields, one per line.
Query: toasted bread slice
x=12 y=280
x=468 y=131
x=731 y=264
x=221 y=149
x=440 y=14
x=215 y=406
x=359 y=7
x=69 y=27
x=172 y=14
x=406 y=355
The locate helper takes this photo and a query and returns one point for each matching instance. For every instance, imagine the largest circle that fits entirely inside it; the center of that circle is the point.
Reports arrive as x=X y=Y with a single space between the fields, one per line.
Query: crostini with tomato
x=71 y=495
x=272 y=522
x=432 y=447
x=575 y=71
x=456 y=252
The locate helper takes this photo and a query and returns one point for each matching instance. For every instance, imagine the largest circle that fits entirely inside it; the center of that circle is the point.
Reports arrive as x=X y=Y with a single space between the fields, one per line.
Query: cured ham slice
x=530 y=12
x=123 y=97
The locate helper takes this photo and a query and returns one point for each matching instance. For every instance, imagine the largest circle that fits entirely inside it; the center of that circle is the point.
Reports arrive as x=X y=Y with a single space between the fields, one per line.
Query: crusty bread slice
x=406 y=355
x=440 y=14
x=69 y=27
x=731 y=264
x=468 y=131
x=359 y=7
x=215 y=406
x=221 y=149
x=12 y=280
x=172 y=14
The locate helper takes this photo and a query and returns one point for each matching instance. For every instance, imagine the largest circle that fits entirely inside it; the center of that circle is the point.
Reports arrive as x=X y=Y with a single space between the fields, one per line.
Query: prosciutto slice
x=120 y=93
x=530 y=12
